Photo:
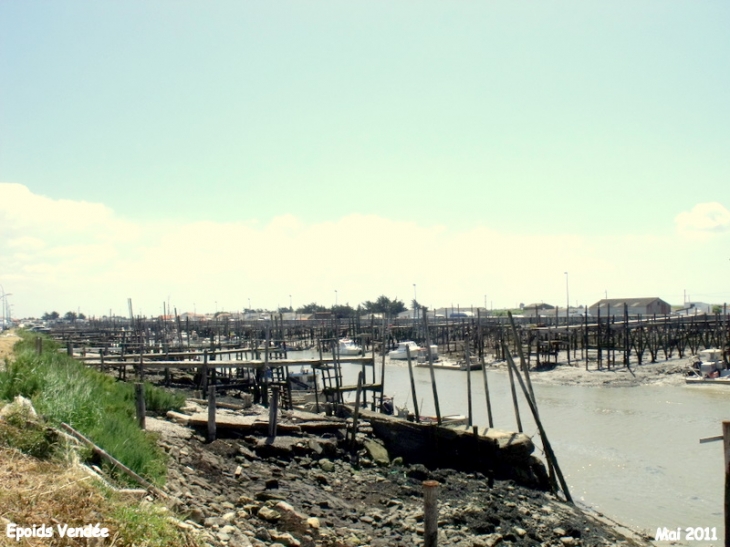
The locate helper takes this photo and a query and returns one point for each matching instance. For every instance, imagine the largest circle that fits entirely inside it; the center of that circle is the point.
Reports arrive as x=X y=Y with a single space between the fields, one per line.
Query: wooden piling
x=430 y=366
x=470 y=413
x=726 y=448
x=273 y=411
x=543 y=436
x=356 y=414
x=140 y=404
x=211 y=407
x=430 y=514
x=413 y=385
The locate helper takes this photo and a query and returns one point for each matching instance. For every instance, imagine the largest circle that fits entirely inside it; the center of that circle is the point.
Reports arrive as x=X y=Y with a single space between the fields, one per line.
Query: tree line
x=382 y=304
x=70 y=316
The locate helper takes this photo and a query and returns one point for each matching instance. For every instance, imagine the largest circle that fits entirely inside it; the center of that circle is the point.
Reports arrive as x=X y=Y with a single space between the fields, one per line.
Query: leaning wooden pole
x=726 y=447
x=543 y=436
x=470 y=413
x=430 y=366
x=112 y=460
x=413 y=385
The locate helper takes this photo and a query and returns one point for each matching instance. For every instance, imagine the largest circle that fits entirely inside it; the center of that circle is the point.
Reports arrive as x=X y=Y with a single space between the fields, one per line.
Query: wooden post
x=140 y=405
x=211 y=407
x=430 y=366
x=430 y=514
x=505 y=349
x=726 y=447
x=486 y=393
x=204 y=372
x=543 y=436
x=356 y=414
x=314 y=373
x=382 y=365
x=70 y=349
x=413 y=385
x=468 y=386
x=273 y=411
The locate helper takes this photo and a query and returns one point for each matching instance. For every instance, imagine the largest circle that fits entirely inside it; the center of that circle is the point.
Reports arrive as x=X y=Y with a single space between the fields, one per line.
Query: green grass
x=64 y=390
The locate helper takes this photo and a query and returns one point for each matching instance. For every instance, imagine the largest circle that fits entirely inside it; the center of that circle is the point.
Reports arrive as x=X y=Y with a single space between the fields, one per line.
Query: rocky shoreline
x=311 y=492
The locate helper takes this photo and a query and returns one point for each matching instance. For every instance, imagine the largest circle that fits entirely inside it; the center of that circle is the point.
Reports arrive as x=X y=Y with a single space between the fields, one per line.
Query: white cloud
x=703 y=221
x=96 y=261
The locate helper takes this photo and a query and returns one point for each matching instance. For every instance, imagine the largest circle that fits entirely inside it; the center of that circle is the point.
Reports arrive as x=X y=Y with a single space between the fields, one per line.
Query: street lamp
x=335 y=297
x=567 y=298
x=415 y=303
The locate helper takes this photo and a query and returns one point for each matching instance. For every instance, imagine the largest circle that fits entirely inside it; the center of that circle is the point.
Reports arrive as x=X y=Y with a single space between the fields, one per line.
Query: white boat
x=400 y=351
x=304 y=380
x=347 y=347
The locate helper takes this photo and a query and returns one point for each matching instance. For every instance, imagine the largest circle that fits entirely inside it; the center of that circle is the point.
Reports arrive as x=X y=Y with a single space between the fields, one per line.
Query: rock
x=559 y=531
x=197 y=516
x=313 y=522
x=567 y=540
x=263 y=534
x=285 y=539
x=326 y=465
x=377 y=452
x=268 y=514
x=272 y=484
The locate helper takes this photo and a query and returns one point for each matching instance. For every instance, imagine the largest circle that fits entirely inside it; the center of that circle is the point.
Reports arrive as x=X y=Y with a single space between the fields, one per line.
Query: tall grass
x=64 y=390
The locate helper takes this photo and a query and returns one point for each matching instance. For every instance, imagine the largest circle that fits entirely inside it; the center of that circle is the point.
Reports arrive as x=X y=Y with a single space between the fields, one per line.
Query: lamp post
x=415 y=302
x=567 y=299
x=5 y=309
x=335 y=297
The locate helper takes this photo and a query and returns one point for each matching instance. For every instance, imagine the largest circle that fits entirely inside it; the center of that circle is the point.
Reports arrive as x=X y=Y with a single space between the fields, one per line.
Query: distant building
x=636 y=306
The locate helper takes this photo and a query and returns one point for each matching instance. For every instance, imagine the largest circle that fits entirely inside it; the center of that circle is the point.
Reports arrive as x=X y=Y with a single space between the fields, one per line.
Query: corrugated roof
x=630 y=302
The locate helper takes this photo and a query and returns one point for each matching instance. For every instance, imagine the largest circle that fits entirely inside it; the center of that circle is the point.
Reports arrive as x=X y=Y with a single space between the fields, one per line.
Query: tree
x=384 y=305
x=70 y=316
x=50 y=316
x=311 y=308
x=342 y=311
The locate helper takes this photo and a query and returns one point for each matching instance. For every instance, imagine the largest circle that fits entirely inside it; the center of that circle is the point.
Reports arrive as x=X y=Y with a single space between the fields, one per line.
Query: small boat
x=347 y=347
x=304 y=380
x=401 y=353
x=423 y=354
x=709 y=369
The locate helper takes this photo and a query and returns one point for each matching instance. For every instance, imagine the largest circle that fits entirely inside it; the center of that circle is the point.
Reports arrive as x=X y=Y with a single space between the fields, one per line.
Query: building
x=636 y=306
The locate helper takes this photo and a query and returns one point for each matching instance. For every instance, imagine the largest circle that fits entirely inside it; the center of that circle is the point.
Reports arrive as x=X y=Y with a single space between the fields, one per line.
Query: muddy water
x=631 y=453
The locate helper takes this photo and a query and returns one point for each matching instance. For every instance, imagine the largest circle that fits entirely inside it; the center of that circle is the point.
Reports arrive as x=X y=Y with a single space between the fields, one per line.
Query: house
x=635 y=306
x=538 y=310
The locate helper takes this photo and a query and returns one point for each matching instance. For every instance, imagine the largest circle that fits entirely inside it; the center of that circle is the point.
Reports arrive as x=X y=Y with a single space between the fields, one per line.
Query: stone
x=326 y=465
x=285 y=539
x=197 y=516
x=377 y=452
x=313 y=522
x=268 y=514
x=567 y=540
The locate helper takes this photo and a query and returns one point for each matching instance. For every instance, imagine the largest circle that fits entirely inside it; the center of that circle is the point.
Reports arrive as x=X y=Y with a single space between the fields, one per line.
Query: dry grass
x=41 y=492
x=35 y=492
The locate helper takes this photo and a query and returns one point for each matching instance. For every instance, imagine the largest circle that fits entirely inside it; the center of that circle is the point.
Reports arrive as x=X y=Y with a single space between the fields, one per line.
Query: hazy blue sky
x=211 y=152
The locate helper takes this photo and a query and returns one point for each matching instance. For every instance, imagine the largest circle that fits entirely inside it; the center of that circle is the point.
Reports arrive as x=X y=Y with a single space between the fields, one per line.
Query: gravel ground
x=310 y=492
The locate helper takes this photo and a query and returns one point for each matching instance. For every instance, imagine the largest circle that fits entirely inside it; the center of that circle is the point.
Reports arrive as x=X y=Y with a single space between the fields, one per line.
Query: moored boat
x=346 y=346
x=709 y=369
x=401 y=353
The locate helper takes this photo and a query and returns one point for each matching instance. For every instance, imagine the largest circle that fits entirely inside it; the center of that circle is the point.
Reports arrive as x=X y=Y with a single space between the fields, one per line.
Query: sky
x=209 y=155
